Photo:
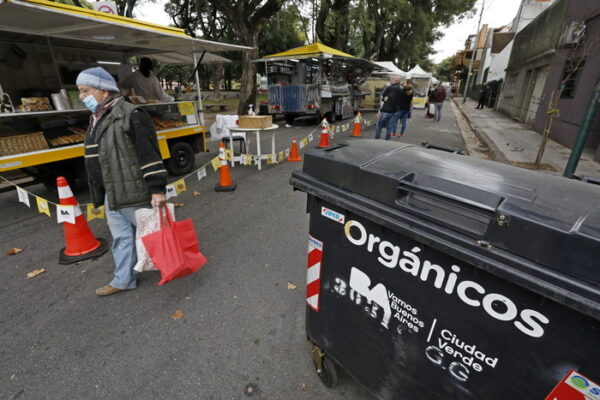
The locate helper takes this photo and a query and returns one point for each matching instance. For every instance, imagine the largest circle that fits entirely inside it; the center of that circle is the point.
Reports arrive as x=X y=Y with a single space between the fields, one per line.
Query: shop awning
x=60 y=21
x=315 y=50
x=178 y=58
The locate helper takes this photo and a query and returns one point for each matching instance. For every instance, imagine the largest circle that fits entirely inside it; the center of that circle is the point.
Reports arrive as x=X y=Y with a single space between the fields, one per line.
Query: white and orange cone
x=356 y=131
x=80 y=242
x=226 y=184
x=324 y=140
x=294 y=152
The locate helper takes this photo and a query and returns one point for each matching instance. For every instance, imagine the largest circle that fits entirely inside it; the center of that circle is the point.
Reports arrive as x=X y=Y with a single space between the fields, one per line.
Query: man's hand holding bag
x=174 y=249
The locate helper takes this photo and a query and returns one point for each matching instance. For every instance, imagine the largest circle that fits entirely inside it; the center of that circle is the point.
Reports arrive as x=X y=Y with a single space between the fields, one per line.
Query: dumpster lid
x=544 y=218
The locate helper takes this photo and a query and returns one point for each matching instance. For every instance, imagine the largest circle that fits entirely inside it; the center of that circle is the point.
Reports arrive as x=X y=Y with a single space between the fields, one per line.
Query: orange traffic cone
x=357 y=126
x=226 y=184
x=324 y=142
x=294 y=153
x=80 y=242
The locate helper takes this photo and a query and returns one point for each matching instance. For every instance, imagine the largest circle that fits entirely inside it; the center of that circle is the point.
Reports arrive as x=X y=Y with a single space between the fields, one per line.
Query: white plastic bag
x=431 y=108
x=147 y=222
x=219 y=130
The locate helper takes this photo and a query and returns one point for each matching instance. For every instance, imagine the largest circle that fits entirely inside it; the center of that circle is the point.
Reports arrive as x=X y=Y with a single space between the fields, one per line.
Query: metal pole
x=473 y=55
x=584 y=130
x=53 y=58
x=199 y=90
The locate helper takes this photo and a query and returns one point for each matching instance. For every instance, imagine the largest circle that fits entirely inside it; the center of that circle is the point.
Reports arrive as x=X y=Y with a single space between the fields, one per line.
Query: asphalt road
x=242 y=333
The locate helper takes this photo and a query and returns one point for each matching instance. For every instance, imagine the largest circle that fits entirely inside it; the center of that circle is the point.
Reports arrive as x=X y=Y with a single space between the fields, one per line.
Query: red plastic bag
x=174 y=249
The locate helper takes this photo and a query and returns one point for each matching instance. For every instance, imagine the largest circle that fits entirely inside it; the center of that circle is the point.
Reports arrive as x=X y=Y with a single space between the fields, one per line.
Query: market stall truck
x=44 y=137
x=315 y=80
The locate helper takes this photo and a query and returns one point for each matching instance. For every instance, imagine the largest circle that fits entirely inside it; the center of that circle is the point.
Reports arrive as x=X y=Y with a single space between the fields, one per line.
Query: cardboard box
x=256 y=121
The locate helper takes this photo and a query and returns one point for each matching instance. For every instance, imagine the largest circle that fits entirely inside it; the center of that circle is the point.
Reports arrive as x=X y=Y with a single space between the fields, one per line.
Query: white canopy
x=391 y=69
x=418 y=72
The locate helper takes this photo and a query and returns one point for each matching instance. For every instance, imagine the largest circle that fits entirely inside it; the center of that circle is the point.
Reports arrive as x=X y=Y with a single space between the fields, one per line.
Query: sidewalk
x=515 y=143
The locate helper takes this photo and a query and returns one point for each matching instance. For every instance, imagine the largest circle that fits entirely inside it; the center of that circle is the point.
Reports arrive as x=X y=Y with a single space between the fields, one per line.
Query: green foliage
x=445 y=69
x=402 y=31
x=177 y=73
x=282 y=32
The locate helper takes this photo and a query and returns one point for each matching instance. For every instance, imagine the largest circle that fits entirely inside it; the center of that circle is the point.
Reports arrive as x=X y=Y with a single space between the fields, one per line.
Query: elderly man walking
x=124 y=167
x=391 y=98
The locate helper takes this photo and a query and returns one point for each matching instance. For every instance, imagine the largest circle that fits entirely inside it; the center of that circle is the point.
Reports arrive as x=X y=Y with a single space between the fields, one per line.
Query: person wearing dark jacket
x=482 y=97
x=124 y=167
x=405 y=106
x=439 y=96
x=391 y=97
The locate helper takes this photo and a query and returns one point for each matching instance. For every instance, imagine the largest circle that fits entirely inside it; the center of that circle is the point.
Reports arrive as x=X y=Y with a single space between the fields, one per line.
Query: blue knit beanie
x=98 y=78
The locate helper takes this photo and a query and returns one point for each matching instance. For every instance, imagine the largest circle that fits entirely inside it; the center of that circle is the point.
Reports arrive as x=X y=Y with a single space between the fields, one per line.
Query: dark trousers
x=481 y=102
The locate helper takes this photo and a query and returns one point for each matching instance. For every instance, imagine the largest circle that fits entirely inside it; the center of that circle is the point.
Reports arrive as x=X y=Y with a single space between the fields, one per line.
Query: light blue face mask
x=91 y=103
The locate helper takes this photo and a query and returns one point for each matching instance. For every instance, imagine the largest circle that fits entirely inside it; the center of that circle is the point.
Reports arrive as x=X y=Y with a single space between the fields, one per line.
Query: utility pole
x=473 y=54
x=582 y=133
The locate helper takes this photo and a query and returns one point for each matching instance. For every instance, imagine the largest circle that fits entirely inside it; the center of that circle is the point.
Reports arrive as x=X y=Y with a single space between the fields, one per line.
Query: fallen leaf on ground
x=176 y=205
x=291 y=286
x=35 y=272
x=178 y=315
x=196 y=193
x=13 y=251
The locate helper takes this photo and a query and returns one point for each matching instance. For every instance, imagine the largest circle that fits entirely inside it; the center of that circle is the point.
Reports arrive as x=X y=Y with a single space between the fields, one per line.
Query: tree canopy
x=402 y=31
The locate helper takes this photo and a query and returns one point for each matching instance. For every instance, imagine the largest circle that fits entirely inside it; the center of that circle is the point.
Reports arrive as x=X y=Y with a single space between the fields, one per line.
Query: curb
x=495 y=153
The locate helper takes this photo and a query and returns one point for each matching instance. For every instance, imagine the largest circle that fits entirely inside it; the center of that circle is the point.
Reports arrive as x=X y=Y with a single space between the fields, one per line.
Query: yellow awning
x=70 y=23
x=85 y=12
x=312 y=50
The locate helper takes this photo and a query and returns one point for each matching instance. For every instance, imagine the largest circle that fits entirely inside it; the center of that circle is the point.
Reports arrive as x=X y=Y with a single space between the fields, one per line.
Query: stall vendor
x=144 y=83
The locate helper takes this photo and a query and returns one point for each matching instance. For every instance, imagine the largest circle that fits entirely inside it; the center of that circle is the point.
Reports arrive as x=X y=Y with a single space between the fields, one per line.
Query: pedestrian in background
x=483 y=92
x=389 y=108
x=439 y=96
x=405 y=105
x=124 y=167
x=428 y=113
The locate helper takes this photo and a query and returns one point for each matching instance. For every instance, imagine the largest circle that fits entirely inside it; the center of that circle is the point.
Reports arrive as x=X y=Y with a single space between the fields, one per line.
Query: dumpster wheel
x=326 y=369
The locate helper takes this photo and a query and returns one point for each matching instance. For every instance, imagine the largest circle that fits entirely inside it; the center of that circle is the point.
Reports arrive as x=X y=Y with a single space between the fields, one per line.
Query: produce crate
x=256 y=121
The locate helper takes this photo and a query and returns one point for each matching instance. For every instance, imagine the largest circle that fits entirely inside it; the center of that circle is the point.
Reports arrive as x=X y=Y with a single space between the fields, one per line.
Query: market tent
x=178 y=58
x=434 y=81
x=390 y=69
x=315 y=50
x=418 y=72
x=105 y=31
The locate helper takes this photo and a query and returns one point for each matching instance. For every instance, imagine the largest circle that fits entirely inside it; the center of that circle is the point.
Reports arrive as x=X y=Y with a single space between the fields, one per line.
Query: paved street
x=242 y=332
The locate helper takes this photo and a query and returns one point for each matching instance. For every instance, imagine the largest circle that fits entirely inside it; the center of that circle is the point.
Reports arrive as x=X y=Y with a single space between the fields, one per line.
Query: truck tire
x=289 y=118
x=330 y=117
x=182 y=159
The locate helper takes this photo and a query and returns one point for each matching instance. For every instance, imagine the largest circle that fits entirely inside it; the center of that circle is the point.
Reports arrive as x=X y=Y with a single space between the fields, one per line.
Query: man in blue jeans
x=391 y=97
x=404 y=106
x=124 y=168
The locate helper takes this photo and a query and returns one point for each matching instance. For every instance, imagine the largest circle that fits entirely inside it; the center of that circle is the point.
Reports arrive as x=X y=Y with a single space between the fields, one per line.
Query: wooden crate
x=256 y=121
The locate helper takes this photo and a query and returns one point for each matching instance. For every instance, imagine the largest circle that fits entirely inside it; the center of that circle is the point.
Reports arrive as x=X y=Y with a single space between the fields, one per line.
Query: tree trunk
x=552 y=111
x=248 y=81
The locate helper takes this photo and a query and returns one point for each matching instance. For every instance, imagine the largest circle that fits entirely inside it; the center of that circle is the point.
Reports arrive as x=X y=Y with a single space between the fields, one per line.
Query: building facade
x=557 y=55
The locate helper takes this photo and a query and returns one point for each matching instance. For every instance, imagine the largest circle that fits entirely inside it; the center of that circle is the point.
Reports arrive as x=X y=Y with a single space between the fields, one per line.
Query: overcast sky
x=496 y=13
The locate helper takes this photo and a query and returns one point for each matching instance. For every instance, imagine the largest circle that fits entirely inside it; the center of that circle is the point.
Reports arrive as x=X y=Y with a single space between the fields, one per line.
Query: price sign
x=186 y=108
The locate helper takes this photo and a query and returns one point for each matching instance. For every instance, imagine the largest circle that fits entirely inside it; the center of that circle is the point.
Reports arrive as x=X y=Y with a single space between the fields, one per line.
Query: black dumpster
x=439 y=276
